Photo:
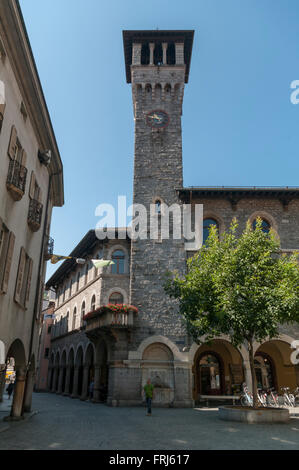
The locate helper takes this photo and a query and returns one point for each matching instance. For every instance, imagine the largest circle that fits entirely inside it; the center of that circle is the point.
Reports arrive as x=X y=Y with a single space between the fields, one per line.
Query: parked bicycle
x=272 y=397
x=246 y=397
x=288 y=398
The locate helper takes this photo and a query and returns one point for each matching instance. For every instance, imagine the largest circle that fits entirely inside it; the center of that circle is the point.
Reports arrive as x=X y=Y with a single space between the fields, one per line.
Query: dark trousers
x=149 y=405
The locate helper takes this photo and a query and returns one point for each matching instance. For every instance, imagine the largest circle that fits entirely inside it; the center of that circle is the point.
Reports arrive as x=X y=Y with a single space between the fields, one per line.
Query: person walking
x=149 y=395
x=9 y=389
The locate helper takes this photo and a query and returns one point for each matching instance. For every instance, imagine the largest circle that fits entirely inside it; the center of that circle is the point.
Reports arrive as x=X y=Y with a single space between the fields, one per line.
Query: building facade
x=31 y=184
x=120 y=351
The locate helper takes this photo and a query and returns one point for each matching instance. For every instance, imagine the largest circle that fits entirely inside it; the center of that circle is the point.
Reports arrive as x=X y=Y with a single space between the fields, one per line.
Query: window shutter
x=2 y=108
x=8 y=261
x=20 y=275
x=28 y=282
x=39 y=195
x=24 y=158
x=32 y=186
x=12 y=143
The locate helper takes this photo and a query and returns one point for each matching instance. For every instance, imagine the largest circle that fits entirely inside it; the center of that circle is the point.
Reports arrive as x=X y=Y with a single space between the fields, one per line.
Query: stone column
x=54 y=379
x=18 y=395
x=84 y=394
x=28 y=391
x=164 y=47
x=60 y=378
x=151 y=48
x=66 y=390
x=97 y=378
x=49 y=378
x=75 y=383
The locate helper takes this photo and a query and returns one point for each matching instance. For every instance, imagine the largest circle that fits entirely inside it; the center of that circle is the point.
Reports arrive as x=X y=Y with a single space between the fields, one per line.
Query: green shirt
x=148 y=388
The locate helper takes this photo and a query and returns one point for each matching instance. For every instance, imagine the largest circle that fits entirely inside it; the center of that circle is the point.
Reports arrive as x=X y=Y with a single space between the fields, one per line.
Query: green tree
x=242 y=287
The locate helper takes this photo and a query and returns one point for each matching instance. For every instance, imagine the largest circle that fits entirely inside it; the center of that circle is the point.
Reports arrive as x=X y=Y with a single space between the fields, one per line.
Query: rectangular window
x=49 y=329
x=47 y=353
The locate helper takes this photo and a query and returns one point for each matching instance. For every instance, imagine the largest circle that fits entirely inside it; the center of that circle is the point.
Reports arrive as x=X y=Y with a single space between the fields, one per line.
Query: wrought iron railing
x=16 y=179
x=35 y=214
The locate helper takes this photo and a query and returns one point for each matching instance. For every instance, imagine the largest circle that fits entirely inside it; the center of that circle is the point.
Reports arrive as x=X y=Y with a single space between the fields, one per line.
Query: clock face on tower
x=157 y=119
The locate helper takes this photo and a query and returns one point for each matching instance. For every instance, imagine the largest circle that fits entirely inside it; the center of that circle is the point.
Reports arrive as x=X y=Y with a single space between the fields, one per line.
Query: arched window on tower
x=265 y=225
x=116 y=298
x=118 y=257
x=206 y=228
x=158 y=207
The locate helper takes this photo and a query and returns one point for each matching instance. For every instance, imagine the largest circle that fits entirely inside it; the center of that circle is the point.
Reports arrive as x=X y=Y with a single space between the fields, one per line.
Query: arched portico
x=217 y=369
x=17 y=352
x=274 y=367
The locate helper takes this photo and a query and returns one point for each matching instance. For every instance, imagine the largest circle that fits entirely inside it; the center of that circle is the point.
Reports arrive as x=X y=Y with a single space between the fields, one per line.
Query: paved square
x=63 y=423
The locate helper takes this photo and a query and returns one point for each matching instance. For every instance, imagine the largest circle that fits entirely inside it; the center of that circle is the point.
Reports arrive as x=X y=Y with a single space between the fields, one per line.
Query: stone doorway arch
x=217 y=369
x=277 y=362
x=157 y=365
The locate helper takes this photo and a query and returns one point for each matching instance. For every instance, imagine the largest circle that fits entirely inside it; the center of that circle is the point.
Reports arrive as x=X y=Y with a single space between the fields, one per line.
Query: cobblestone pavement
x=64 y=423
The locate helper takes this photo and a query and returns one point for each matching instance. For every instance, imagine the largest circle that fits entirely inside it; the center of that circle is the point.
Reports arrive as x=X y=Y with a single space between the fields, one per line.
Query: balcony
x=110 y=317
x=49 y=247
x=16 y=180
x=34 y=215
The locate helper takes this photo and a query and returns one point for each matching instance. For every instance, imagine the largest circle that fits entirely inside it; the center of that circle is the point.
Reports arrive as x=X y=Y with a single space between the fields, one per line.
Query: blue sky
x=239 y=126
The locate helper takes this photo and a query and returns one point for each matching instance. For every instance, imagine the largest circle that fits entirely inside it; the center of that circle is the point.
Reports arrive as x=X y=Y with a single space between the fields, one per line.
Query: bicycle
x=272 y=398
x=262 y=397
x=289 y=399
x=246 y=398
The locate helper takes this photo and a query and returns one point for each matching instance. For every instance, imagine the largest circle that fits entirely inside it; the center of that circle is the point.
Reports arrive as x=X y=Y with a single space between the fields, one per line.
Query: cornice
x=19 y=53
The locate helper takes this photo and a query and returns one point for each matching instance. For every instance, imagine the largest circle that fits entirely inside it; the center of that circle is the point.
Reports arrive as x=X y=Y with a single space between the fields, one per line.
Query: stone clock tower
x=157 y=65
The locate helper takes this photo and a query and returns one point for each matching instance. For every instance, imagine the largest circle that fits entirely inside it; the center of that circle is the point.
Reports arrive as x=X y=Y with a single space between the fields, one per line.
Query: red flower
x=117 y=308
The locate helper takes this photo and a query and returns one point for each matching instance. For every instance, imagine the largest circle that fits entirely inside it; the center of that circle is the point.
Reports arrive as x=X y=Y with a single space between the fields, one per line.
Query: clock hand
x=154 y=116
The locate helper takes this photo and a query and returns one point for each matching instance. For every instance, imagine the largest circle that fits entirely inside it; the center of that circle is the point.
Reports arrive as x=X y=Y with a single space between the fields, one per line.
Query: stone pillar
x=151 y=48
x=66 y=390
x=28 y=391
x=97 y=378
x=75 y=384
x=18 y=395
x=60 y=378
x=50 y=369
x=54 y=379
x=136 y=58
x=164 y=47
x=84 y=394
x=179 y=53
x=247 y=372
